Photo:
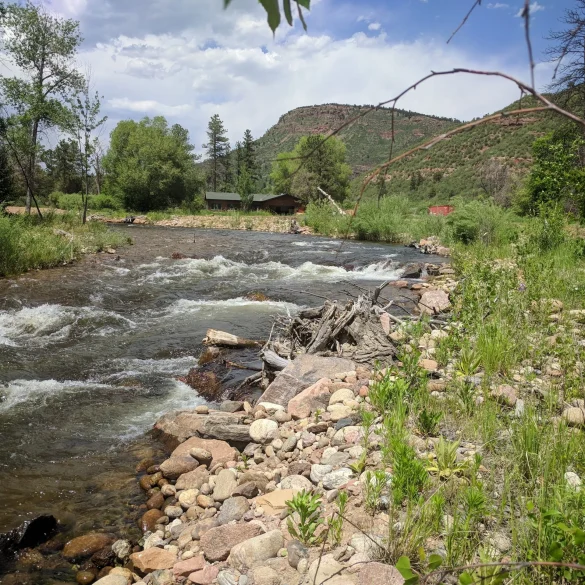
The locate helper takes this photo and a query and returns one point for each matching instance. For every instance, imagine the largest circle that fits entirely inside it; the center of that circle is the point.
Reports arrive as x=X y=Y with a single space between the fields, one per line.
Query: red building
x=441 y=209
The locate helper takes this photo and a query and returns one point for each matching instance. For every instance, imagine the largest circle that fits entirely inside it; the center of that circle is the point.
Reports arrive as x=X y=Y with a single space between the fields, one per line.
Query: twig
x=332 y=201
x=475 y=5
x=526 y=16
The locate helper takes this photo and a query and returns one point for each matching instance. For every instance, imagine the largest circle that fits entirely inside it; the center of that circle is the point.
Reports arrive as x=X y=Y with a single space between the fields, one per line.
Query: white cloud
x=374 y=26
x=534 y=8
x=145 y=107
x=497 y=5
x=188 y=63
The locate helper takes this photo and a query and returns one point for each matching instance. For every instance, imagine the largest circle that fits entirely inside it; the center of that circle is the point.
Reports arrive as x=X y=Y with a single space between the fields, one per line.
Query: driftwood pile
x=356 y=330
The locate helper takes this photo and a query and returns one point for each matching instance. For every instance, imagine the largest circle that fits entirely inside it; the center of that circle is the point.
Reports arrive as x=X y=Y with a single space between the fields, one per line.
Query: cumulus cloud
x=193 y=60
x=497 y=5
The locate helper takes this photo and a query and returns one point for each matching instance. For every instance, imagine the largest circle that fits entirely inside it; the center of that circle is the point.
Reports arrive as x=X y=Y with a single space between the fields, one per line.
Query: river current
x=90 y=353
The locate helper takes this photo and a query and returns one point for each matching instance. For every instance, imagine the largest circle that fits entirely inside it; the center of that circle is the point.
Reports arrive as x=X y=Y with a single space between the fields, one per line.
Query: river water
x=90 y=353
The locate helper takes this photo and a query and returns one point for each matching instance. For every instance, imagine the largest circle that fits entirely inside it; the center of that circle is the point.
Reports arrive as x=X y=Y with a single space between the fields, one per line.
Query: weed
x=465 y=393
x=428 y=421
x=387 y=391
x=469 y=362
x=303 y=526
x=445 y=463
x=375 y=484
x=336 y=523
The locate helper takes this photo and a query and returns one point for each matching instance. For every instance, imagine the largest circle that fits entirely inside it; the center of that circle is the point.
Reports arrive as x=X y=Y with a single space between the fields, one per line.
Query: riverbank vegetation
x=27 y=243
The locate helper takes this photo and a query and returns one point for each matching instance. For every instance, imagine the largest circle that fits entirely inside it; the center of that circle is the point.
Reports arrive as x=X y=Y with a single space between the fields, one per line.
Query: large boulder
x=176 y=427
x=217 y=543
x=220 y=451
x=434 y=302
x=193 y=480
x=315 y=397
x=258 y=549
x=87 y=545
x=303 y=372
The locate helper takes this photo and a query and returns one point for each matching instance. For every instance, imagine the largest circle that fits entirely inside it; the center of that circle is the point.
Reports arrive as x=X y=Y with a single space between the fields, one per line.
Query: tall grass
x=27 y=243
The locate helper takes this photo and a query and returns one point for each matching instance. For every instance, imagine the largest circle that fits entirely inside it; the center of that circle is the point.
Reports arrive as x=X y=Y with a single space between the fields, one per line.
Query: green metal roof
x=258 y=197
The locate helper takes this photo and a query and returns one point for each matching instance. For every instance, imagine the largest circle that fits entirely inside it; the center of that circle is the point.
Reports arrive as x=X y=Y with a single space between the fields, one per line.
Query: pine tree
x=228 y=182
x=217 y=146
x=238 y=153
x=249 y=154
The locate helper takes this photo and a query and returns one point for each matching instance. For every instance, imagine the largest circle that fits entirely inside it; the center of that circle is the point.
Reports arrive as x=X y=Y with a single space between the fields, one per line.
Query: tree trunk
x=31 y=166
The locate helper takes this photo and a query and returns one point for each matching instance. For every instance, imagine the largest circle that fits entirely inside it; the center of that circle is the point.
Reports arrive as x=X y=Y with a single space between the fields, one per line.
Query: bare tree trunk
x=31 y=166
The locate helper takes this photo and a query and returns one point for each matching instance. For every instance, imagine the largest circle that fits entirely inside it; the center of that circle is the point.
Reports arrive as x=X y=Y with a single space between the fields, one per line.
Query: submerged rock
x=28 y=535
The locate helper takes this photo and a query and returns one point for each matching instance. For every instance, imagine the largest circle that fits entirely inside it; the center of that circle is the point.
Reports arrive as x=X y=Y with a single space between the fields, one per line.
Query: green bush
x=104 y=202
x=479 y=221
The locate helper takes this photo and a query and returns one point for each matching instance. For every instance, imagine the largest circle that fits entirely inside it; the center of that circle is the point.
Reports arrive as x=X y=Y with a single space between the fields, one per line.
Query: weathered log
x=223 y=339
x=274 y=360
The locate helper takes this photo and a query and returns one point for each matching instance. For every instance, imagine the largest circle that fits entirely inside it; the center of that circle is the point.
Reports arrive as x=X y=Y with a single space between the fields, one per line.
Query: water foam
x=53 y=323
x=20 y=391
x=220 y=267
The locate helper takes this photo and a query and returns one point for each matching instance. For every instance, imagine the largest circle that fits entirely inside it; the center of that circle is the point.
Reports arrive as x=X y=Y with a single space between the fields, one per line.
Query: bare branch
x=475 y=5
x=526 y=17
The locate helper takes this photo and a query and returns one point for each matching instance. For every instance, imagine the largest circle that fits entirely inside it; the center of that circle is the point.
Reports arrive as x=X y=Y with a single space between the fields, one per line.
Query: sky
x=190 y=59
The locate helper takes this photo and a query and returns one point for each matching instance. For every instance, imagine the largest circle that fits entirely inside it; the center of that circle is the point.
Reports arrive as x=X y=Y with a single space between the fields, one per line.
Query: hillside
x=454 y=166
x=367 y=140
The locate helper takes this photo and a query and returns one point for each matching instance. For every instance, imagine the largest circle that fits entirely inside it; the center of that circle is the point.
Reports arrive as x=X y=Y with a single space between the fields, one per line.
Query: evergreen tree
x=216 y=147
x=382 y=186
x=249 y=154
x=63 y=167
x=228 y=181
x=238 y=153
x=245 y=188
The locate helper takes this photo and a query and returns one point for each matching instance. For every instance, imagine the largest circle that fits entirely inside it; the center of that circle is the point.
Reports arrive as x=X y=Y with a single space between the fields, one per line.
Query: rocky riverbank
x=357 y=468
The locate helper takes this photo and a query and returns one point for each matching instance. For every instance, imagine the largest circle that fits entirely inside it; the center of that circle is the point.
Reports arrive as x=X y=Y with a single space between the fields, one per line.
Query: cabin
x=281 y=204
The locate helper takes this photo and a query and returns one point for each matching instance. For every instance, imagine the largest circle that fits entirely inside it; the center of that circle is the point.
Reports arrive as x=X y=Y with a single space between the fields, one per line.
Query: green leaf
x=412 y=580
x=288 y=12
x=465 y=579
x=403 y=566
x=273 y=10
x=305 y=3
x=226 y=3
x=435 y=561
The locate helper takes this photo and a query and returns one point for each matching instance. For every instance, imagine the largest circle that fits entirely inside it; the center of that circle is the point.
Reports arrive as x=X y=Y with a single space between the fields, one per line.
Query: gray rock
x=265 y=576
x=122 y=549
x=320 y=573
x=434 y=302
x=263 y=430
x=202 y=455
x=318 y=472
x=231 y=406
x=203 y=526
x=217 y=543
x=336 y=459
x=247 y=490
x=304 y=371
x=296 y=482
x=341 y=395
x=228 y=577
x=233 y=509
x=162 y=577
x=261 y=548
x=366 y=545
x=344 y=422
x=337 y=478
x=193 y=480
x=289 y=445
x=225 y=485
x=573 y=480
x=173 y=511
x=174 y=467
x=296 y=551
x=379 y=574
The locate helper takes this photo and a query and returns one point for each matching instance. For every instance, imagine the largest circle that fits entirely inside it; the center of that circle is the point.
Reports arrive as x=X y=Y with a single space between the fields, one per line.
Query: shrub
x=104 y=202
x=306 y=510
x=477 y=221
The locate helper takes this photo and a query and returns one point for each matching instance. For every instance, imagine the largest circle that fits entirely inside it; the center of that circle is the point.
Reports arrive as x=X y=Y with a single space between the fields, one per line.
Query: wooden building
x=281 y=204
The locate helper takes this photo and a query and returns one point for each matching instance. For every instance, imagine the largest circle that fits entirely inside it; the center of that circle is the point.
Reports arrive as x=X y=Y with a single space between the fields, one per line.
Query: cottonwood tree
x=245 y=188
x=313 y=164
x=494 y=179
x=43 y=48
x=216 y=149
x=150 y=166
x=84 y=121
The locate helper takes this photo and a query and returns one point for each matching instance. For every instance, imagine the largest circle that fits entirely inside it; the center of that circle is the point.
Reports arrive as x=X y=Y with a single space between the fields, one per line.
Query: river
x=90 y=353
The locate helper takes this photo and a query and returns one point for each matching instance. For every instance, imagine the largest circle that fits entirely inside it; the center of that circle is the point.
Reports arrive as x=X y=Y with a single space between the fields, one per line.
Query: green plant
x=336 y=523
x=386 y=390
x=445 y=463
x=469 y=362
x=375 y=484
x=465 y=394
x=428 y=421
x=304 y=517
